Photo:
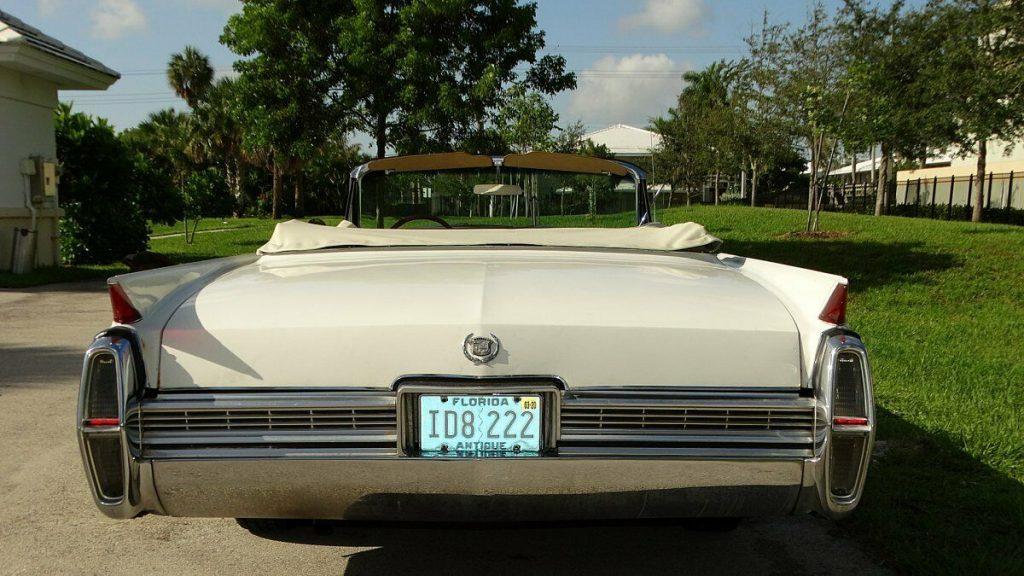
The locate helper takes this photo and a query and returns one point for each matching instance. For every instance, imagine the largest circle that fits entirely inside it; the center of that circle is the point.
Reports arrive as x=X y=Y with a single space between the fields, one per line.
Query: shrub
x=102 y=220
x=206 y=194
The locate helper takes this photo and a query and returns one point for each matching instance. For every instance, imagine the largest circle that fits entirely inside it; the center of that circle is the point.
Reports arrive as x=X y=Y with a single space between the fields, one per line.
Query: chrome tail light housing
x=109 y=380
x=844 y=390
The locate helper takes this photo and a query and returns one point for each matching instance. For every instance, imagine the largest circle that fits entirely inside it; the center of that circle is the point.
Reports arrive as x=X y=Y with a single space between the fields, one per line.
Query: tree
x=893 y=99
x=525 y=121
x=700 y=134
x=205 y=194
x=217 y=136
x=159 y=146
x=190 y=75
x=980 y=74
x=287 y=79
x=415 y=75
x=102 y=221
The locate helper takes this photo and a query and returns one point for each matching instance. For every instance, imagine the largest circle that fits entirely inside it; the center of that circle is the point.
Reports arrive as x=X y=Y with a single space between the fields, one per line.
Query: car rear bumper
x=514 y=489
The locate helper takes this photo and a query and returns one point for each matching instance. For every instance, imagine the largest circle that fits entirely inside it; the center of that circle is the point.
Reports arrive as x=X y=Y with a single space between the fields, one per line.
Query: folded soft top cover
x=296 y=235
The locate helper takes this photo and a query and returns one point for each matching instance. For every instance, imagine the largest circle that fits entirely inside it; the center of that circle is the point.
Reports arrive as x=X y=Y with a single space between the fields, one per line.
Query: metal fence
x=948 y=197
x=930 y=194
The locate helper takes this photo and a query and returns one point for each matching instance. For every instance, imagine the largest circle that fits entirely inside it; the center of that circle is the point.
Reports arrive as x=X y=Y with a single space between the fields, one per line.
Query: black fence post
x=970 y=188
x=1009 y=192
x=988 y=201
x=917 y=199
x=949 y=206
x=935 y=184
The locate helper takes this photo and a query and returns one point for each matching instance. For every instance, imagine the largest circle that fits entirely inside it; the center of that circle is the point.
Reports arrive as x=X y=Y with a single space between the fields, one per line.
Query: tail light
x=835 y=309
x=124 y=312
x=852 y=419
x=100 y=418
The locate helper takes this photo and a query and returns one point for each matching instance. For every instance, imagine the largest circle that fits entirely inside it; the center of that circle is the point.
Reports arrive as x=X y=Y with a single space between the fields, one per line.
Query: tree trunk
x=240 y=173
x=979 y=198
x=874 y=167
x=275 y=201
x=716 y=188
x=300 y=204
x=753 y=184
x=815 y=144
x=743 y=183
x=882 y=182
x=382 y=135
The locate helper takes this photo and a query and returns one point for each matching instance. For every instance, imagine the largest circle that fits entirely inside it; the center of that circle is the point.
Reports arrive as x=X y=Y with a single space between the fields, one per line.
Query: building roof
x=625 y=140
x=16 y=36
x=862 y=167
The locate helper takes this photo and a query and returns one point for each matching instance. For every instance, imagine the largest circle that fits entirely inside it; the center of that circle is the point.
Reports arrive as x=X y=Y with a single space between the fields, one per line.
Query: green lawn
x=941 y=307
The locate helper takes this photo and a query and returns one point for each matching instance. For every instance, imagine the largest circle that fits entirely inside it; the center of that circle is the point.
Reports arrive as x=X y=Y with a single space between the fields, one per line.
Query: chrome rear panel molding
x=253 y=423
x=685 y=421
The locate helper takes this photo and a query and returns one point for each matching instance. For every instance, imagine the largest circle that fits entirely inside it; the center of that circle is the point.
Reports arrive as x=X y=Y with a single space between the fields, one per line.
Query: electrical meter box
x=44 y=181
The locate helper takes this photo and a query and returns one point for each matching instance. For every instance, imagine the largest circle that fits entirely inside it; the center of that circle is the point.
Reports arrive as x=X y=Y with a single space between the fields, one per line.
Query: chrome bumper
x=553 y=488
x=612 y=453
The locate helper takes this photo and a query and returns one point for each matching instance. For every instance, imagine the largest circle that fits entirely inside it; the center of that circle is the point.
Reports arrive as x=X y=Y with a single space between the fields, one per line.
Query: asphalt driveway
x=48 y=524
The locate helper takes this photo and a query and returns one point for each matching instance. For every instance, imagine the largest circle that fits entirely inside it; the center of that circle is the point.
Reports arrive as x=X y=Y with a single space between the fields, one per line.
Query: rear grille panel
x=782 y=421
x=294 y=421
x=610 y=422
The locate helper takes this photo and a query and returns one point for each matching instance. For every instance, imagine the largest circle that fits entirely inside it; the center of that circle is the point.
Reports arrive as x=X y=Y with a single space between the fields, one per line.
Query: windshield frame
x=455 y=162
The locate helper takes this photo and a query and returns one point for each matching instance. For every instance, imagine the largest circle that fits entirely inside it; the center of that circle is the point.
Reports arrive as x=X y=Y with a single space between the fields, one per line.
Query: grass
x=941 y=307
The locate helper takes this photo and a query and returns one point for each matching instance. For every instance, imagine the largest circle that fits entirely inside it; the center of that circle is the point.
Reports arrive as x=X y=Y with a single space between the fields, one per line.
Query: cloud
x=225 y=5
x=49 y=7
x=667 y=16
x=114 y=18
x=629 y=90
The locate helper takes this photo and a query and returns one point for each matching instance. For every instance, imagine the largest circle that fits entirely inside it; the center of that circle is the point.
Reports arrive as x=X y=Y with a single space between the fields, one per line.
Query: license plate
x=480 y=425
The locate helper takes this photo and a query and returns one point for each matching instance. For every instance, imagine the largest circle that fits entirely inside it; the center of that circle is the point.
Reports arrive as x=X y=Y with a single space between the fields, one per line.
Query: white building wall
x=26 y=130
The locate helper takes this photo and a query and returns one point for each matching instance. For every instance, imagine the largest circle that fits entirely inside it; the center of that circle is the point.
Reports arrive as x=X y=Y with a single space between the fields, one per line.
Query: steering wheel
x=403 y=221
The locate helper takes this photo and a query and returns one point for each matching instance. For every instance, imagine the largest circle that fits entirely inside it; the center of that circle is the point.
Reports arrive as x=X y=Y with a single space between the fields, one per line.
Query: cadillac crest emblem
x=481 y=349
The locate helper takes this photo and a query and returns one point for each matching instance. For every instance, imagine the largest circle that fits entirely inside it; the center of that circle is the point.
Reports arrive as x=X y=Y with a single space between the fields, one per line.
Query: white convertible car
x=490 y=360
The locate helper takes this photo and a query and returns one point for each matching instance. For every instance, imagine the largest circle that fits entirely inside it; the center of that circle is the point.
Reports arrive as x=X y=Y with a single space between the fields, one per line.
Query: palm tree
x=217 y=135
x=190 y=75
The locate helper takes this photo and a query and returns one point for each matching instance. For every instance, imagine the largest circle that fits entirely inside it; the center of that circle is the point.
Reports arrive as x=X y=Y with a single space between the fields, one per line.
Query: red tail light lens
x=92 y=422
x=849 y=421
x=124 y=312
x=835 y=308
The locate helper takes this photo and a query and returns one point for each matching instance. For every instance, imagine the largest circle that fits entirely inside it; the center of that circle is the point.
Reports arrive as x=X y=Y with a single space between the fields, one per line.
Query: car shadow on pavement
x=796 y=545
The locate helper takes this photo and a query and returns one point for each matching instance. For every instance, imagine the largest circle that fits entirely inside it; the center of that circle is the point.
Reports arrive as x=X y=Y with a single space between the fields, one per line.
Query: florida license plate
x=496 y=426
